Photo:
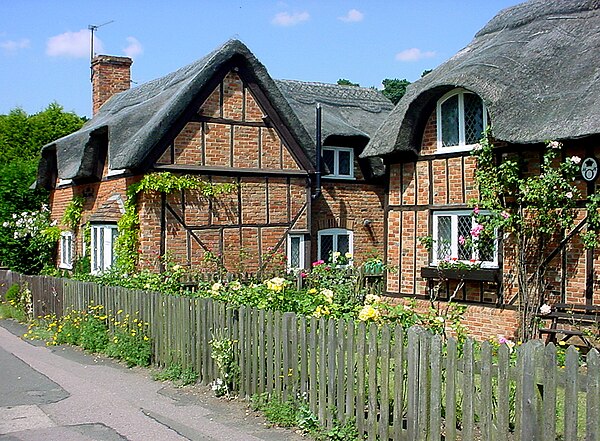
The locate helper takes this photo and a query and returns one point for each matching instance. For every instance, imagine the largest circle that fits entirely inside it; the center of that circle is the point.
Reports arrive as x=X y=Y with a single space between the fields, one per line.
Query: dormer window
x=461 y=120
x=340 y=162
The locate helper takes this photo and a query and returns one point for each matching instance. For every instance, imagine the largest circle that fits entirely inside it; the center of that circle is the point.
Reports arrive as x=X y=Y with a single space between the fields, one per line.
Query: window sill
x=479 y=274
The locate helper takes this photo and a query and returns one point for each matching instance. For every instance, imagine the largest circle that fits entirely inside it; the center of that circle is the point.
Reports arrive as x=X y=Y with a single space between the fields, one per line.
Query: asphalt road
x=64 y=394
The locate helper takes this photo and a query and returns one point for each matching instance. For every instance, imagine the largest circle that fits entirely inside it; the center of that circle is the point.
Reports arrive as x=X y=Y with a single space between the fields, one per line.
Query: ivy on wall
x=127 y=243
x=72 y=215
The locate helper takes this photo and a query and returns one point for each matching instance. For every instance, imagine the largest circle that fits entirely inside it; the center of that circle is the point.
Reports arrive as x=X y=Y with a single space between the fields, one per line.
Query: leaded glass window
x=334 y=240
x=339 y=161
x=453 y=240
x=461 y=120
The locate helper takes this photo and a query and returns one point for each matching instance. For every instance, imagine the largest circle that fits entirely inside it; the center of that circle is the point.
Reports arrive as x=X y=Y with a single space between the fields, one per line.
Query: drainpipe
x=318 y=153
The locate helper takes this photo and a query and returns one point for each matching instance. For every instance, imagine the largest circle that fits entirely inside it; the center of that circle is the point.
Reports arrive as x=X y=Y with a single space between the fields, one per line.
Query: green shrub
x=179 y=375
x=12 y=294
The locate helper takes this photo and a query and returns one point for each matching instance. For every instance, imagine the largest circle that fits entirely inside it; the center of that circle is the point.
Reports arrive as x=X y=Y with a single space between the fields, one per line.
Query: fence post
x=529 y=398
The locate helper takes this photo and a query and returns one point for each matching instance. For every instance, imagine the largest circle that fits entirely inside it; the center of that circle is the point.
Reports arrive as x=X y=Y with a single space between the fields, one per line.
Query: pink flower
x=476 y=230
x=303 y=275
x=476 y=209
x=461 y=239
x=505 y=214
x=318 y=262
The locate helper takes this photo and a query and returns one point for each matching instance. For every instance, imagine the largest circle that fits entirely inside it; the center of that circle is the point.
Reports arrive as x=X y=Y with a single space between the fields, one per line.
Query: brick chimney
x=110 y=75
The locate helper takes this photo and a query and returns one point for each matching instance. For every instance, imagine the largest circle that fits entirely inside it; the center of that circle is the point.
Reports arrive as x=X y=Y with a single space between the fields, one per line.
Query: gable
x=231 y=130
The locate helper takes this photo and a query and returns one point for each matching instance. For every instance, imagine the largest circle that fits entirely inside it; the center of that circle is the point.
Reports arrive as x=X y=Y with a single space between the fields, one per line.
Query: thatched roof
x=134 y=122
x=347 y=111
x=536 y=66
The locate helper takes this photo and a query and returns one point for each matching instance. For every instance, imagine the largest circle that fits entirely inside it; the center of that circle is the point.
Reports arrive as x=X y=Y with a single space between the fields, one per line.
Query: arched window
x=461 y=120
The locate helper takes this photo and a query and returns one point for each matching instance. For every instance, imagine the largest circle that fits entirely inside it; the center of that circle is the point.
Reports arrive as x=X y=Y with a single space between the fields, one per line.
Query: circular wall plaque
x=589 y=169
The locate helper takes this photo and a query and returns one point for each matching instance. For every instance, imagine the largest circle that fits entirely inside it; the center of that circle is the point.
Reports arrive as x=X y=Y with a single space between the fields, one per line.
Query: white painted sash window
x=103 y=246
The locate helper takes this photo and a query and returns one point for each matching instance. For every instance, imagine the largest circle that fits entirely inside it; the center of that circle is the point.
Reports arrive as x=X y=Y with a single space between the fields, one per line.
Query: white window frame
x=301 y=251
x=335 y=232
x=66 y=250
x=462 y=146
x=102 y=247
x=335 y=173
x=454 y=214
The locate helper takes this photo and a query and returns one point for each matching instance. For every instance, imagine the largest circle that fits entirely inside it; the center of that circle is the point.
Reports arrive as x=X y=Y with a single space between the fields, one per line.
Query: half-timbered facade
x=524 y=75
x=224 y=119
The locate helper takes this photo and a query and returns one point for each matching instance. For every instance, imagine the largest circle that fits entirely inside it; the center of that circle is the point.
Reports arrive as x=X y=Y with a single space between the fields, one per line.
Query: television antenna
x=94 y=28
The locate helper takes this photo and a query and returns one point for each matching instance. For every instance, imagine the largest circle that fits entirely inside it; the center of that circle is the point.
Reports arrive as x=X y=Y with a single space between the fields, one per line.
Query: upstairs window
x=103 y=247
x=340 y=162
x=454 y=240
x=66 y=250
x=461 y=120
x=334 y=240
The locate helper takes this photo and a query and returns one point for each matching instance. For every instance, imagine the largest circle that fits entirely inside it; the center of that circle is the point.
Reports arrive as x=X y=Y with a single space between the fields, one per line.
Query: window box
x=479 y=274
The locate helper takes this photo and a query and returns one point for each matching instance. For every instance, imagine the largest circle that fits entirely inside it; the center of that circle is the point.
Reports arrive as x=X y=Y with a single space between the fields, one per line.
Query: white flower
x=5 y=224
x=328 y=294
x=555 y=145
x=575 y=159
x=545 y=309
x=569 y=194
x=372 y=298
x=216 y=287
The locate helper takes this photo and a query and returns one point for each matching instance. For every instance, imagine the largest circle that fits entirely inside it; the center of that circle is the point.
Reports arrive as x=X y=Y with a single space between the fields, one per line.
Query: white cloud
x=287 y=19
x=13 y=46
x=414 y=54
x=72 y=44
x=134 y=47
x=352 y=16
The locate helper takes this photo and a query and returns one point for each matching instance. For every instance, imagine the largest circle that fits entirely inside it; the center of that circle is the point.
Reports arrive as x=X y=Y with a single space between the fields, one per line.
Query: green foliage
x=534 y=209
x=72 y=215
x=426 y=72
x=22 y=135
x=124 y=337
x=345 y=82
x=296 y=413
x=19 y=302
x=8 y=311
x=179 y=375
x=223 y=352
x=21 y=139
x=127 y=243
x=29 y=241
x=394 y=89
x=12 y=295
x=167 y=282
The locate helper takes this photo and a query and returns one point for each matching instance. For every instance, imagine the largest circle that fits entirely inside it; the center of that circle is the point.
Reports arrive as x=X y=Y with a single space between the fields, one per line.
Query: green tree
x=345 y=82
x=21 y=138
x=394 y=89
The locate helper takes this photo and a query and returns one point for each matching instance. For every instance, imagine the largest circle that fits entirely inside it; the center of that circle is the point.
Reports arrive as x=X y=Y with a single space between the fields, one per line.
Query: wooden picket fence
x=394 y=384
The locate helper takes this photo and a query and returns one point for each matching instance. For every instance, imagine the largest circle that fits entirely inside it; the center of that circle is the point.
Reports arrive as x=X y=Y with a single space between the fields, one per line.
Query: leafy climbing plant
x=127 y=243
x=534 y=210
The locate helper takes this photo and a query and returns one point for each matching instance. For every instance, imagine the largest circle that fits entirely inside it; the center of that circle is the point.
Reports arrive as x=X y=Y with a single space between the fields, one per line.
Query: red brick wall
x=95 y=195
x=348 y=205
x=451 y=179
x=244 y=226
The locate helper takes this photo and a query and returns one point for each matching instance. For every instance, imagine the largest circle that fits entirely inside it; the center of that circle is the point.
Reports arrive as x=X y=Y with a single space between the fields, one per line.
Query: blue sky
x=44 y=44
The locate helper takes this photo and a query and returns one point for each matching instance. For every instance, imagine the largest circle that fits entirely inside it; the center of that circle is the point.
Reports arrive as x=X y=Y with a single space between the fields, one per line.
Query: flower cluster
x=30 y=223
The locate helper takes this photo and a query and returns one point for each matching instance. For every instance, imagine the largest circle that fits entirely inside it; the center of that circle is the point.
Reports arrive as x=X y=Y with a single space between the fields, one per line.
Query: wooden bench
x=566 y=319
